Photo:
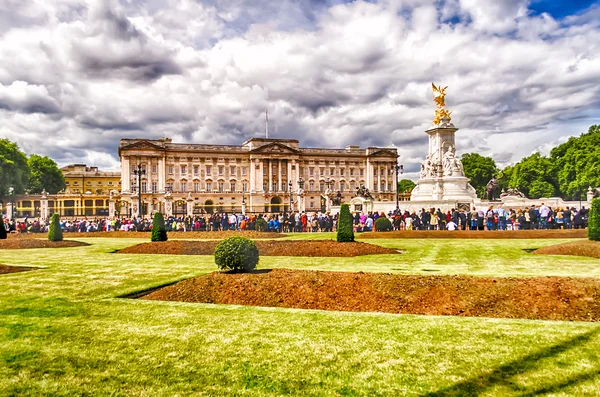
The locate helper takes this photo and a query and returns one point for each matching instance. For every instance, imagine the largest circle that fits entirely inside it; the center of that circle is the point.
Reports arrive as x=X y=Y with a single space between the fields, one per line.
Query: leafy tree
x=44 y=174
x=345 y=229
x=159 y=231
x=535 y=176
x=479 y=170
x=13 y=168
x=406 y=186
x=383 y=224
x=55 y=231
x=576 y=163
x=594 y=221
x=505 y=176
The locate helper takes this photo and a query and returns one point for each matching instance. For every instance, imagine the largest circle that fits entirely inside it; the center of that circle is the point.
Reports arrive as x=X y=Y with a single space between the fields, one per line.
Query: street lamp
x=139 y=172
x=11 y=192
x=397 y=168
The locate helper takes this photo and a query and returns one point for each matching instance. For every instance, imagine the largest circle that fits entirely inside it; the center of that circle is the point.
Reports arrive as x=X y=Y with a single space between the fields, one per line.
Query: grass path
x=63 y=332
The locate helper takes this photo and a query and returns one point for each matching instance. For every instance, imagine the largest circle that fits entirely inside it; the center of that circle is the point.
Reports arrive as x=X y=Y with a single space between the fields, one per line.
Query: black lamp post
x=11 y=192
x=397 y=168
x=139 y=172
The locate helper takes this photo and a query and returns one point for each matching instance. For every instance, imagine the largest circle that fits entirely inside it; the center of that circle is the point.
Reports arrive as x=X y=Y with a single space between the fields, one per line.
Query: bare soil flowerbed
x=477 y=234
x=186 y=235
x=5 y=269
x=576 y=248
x=545 y=298
x=18 y=243
x=327 y=248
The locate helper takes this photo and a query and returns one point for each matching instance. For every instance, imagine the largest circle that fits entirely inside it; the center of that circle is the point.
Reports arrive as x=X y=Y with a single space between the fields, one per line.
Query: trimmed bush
x=3 y=234
x=237 y=253
x=55 y=232
x=594 y=220
x=383 y=224
x=159 y=231
x=261 y=225
x=345 y=229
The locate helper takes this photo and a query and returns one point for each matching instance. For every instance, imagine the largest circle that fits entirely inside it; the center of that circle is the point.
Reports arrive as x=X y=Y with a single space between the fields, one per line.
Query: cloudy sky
x=78 y=75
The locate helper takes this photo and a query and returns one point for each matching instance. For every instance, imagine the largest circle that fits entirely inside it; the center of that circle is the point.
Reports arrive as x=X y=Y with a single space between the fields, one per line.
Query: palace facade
x=260 y=175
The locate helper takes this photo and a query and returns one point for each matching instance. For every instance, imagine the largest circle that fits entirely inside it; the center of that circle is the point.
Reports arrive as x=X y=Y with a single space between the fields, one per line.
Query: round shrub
x=236 y=253
x=594 y=221
x=345 y=228
x=159 y=232
x=261 y=225
x=383 y=224
x=55 y=232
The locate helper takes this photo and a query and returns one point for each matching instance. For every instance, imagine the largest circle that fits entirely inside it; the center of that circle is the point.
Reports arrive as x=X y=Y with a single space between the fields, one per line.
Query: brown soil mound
x=5 y=269
x=477 y=234
x=327 y=248
x=185 y=235
x=576 y=248
x=17 y=244
x=546 y=298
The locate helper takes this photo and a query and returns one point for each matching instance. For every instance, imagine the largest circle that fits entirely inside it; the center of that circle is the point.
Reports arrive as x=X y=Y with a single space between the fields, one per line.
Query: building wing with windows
x=257 y=175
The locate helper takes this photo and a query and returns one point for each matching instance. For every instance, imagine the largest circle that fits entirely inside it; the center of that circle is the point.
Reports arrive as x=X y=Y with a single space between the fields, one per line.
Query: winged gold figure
x=439 y=97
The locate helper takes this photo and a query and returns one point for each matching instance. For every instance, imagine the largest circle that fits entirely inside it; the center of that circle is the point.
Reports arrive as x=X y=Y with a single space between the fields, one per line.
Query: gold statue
x=439 y=97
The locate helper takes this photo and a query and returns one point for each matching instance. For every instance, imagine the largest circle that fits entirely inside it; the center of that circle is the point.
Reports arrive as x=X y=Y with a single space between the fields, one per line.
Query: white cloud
x=81 y=75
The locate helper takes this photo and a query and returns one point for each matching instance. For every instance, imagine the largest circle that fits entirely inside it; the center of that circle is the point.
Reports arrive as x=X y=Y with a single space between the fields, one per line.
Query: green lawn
x=63 y=331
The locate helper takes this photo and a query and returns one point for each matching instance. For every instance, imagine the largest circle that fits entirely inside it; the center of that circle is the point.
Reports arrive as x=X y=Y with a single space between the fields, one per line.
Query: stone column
x=270 y=170
x=190 y=205
x=9 y=211
x=161 y=175
x=168 y=206
x=293 y=177
x=261 y=175
x=279 y=187
x=125 y=174
x=44 y=213
x=252 y=176
x=111 y=207
x=135 y=211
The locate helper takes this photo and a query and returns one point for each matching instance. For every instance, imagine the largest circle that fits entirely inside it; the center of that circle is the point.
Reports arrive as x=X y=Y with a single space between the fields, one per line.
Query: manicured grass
x=64 y=332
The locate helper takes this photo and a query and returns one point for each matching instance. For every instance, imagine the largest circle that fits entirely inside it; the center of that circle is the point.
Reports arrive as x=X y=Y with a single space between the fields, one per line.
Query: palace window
x=311 y=186
x=154 y=187
x=208 y=170
x=183 y=187
x=332 y=171
x=196 y=169
x=342 y=186
x=311 y=171
x=274 y=186
x=322 y=171
x=154 y=169
x=209 y=186
x=221 y=186
x=265 y=186
x=362 y=172
x=341 y=171
x=244 y=187
x=390 y=186
x=382 y=171
x=232 y=187
x=322 y=187
x=143 y=187
x=351 y=172
x=221 y=170
x=109 y=183
x=170 y=169
x=183 y=169
x=231 y=170
x=196 y=187
x=374 y=171
x=245 y=171
x=383 y=186
x=169 y=186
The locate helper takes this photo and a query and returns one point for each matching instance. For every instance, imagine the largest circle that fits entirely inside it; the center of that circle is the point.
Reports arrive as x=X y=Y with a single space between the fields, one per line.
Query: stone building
x=87 y=194
x=261 y=175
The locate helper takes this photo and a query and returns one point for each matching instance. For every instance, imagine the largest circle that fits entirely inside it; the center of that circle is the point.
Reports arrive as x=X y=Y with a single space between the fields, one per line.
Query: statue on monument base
x=452 y=164
x=492 y=188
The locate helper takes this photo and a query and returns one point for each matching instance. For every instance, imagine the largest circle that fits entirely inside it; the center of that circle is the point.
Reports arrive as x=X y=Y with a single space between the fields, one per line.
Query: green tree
x=479 y=170
x=505 y=176
x=13 y=168
x=594 y=221
x=576 y=164
x=3 y=234
x=535 y=176
x=237 y=253
x=159 y=231
x=345 y=229
x=55 y=231
x=44 y=174
x=406 y=186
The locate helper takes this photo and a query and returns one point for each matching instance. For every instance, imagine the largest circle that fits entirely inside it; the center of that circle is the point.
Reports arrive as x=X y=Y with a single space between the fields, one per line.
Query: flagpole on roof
x=266 y=124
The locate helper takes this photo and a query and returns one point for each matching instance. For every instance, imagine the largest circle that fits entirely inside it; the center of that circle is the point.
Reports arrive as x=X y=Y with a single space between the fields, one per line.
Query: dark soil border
x=539 y=298
x=585 y=248
x=30 y=243
x=6 y=269
x=477 y=234
x=304 y=248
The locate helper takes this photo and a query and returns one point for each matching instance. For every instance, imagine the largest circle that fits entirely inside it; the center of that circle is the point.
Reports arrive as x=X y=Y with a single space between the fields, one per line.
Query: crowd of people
x=535 y=217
